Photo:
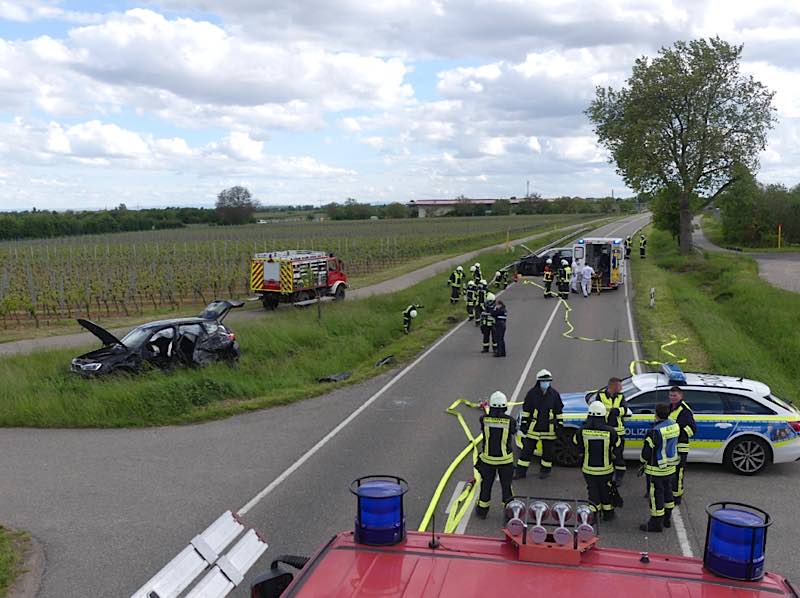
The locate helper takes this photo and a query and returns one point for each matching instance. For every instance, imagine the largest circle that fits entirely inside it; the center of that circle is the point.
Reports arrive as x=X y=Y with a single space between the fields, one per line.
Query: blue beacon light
x=736 y=539
x=380 y=518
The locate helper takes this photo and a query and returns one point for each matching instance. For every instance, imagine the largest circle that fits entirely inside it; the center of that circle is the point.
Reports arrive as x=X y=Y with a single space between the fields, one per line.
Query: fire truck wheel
x=270 y=303
x=339 y=294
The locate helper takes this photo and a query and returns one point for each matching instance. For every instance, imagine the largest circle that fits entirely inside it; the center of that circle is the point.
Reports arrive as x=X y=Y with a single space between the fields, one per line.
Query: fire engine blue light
x=616 y=241
x=581 y=242
x=736 y=541
x=380 y=519
x=673 y=373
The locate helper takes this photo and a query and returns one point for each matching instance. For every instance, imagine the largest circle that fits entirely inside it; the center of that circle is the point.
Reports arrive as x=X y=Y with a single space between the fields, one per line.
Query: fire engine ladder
x=223 y=572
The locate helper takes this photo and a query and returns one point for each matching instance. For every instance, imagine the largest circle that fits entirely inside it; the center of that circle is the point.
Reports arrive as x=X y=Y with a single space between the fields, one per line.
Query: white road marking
x=454 y=498
x=677 y=519
x=329 y=436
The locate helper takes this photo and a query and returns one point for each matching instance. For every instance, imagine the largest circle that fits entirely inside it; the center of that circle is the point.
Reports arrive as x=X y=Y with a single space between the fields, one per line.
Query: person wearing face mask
x=541 y=416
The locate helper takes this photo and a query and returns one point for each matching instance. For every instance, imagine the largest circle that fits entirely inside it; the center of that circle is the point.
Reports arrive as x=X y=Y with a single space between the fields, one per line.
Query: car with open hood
x=533 y=263
x=163 y=344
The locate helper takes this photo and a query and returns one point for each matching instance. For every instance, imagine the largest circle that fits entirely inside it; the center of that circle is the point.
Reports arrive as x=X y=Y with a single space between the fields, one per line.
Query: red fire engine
x=549 y=547
x=296 y=276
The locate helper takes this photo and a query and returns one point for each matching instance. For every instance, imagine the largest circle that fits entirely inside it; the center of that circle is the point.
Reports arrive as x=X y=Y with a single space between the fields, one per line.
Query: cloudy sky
x=165 y=102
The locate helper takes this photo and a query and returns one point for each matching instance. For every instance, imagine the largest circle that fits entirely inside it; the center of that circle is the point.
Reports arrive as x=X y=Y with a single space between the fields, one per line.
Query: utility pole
x=527 y=189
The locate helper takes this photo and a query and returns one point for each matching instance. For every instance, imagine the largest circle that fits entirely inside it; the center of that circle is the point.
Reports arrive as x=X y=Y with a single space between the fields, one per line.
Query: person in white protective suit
x=586 y=280
x=575 y=281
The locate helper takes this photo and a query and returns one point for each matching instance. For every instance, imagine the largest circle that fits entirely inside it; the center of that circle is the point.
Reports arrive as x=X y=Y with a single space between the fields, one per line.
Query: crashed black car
x=533 y=263
x=164 y=344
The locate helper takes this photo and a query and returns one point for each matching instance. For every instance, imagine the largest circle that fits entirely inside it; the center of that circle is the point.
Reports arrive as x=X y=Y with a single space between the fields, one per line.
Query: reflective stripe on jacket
x=684 y=417
x=498 y=434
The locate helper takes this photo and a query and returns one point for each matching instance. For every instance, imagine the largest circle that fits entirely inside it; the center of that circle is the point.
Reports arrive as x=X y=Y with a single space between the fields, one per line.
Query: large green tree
x=236 y=205
x=683 y=120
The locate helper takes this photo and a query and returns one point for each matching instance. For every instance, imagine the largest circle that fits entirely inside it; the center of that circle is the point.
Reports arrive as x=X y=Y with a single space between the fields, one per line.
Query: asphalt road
x=113 y=506
x=85 y=339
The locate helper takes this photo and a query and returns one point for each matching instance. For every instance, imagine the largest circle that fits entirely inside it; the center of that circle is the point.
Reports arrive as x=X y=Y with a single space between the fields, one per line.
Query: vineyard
x=43 y=281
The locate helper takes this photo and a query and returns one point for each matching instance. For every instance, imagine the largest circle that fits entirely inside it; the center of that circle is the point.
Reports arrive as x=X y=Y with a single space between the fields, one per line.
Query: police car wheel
x=566 y=453
x=747 y=455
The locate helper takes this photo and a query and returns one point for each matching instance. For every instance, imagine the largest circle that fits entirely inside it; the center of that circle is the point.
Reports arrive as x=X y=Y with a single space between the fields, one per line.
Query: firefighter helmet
x=564 y=263
x=471 y=283
x=498 y=399
x=489 y=297
x=472 y=268
x=483 y=281
x=477 y=264
x=413 y=313
x=496 y=274
x=460 y=269
x=549 y=261
x=597 y=409
x=544 y=375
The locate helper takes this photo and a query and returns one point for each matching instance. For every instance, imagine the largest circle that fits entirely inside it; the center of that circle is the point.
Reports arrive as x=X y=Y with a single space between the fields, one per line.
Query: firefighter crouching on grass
x=471 y=297
x=541 y=416
x=409 y=314
x=659 y=456
x=456 y=281
x=616 y=410
x=547 y=278
x=487 y=324
x=598 y=440
x=682 y=415
x=497 y=456
x=500 y=279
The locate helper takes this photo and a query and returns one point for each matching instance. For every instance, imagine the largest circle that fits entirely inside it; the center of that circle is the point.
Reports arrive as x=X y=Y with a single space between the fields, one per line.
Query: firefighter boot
x=519 y=473
x=667 y=523
x=619 y=475
x=609 y=515
x=544 y=472
x=654 y=524
x=481 y=513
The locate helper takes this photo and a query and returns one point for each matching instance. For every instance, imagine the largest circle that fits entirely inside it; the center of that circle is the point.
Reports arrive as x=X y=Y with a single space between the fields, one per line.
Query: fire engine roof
x=477 y=566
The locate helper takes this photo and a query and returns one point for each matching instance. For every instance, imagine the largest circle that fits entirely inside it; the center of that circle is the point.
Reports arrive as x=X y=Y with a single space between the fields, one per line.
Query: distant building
x=440 y=207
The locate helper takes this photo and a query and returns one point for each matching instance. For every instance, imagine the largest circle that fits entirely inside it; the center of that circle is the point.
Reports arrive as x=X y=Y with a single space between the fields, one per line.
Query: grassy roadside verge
x=735 y=324
x=712 y=229
x=11 y=543
x=70 y=326
x=282 y=358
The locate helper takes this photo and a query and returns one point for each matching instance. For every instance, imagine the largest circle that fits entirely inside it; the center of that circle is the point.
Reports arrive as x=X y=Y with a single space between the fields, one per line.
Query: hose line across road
x=111 y=507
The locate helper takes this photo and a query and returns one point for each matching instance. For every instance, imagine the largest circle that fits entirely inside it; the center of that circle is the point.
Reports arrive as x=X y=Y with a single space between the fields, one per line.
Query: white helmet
x=460 y=269
x=489 y=296
x=498 y=273
x=544 y=375
x=549 y=261
x=472 y=268
x=478 y=264
x=483 y=281
x=413 y=313
x=498 y=399
x=597 y=409
x=564 y=263
x=471 y=283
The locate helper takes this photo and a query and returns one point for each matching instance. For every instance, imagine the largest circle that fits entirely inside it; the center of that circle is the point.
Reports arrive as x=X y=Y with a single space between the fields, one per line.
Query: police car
x=739 y=422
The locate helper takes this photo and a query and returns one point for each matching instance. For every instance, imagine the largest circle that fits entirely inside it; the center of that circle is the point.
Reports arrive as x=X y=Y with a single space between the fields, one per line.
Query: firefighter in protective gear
x=496 y=457
x=500 y=315
x=483 y=288
x=598 y=440
x=500 y=279
x=456 y=281
x=616 y=411
x=487 y=324
x=471 y=296
x=642 y=246
x=563 y=279
x=659 y=456
x=682 y=415
x=547 y=278
x=541 y=418
x=628 y=246
x=409 y=314
x=476 y=274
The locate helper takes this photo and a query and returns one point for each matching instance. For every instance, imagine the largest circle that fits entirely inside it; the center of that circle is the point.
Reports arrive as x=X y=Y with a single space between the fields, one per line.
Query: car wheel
x=567 y=454
x=747 y=455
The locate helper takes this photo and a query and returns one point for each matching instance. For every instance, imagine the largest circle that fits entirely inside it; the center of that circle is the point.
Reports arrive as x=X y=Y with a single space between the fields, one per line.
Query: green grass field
x=45 y=285
x=10 y=557
x=735 y=324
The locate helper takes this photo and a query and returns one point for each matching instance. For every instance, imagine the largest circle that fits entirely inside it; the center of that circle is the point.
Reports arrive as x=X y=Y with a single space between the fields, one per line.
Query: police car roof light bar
x=673 y=373
x=205 y=551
